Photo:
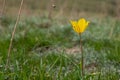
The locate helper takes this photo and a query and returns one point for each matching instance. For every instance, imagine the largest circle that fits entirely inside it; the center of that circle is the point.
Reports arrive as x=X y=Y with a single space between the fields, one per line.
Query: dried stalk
x=51 y=7
x=112 y=29
x=13 y=33
x=3 y=8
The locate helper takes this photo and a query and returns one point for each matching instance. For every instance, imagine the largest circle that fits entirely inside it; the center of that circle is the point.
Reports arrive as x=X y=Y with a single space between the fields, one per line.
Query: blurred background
x=64 y=8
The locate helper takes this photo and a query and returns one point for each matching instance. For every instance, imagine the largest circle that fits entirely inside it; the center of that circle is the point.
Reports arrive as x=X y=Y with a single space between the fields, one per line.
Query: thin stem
x=3 y=8
x=82 y=56
x=13 y=33
x=52 y=5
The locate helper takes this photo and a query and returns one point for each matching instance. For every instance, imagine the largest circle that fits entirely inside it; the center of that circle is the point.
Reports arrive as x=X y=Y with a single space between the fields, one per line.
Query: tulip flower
x=80 y=25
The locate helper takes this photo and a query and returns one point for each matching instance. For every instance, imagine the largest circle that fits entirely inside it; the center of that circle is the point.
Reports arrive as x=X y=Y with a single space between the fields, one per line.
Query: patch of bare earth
x=74 y=50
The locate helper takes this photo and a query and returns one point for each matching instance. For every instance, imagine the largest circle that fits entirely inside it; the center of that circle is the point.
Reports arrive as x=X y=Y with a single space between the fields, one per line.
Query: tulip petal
x=74 y=24
x=81 y=24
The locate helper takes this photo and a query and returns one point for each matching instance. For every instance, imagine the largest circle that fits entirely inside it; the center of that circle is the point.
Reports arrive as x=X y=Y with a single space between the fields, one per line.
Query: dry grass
x=66 y=8
x=12 y=36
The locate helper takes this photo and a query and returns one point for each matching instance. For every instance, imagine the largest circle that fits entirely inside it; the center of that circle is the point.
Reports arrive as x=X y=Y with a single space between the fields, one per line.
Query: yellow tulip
x=80 y=25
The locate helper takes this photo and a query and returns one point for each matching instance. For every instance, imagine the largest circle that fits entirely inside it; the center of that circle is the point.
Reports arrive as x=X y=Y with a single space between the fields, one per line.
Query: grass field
x=49 y=49
x=40 y=53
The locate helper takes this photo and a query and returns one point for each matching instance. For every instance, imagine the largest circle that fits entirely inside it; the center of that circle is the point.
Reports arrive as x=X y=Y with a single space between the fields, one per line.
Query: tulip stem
x=82 y=57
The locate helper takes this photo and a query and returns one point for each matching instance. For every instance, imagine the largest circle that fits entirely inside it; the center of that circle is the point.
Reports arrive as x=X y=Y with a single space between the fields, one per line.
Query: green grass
x=39 y=50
